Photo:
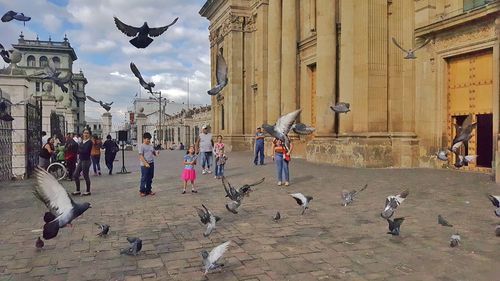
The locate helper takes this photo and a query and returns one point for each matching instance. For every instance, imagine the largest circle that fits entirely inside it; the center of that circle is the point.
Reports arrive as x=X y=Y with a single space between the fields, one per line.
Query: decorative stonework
x=464 y=35
x=232 y=22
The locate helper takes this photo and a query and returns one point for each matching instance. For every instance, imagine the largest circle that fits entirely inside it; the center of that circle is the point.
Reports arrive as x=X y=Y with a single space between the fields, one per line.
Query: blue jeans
x=259 y=149
x=147 y=175
x=219 y=170
x=281 y=167
x=206 y=159
x=96 y=163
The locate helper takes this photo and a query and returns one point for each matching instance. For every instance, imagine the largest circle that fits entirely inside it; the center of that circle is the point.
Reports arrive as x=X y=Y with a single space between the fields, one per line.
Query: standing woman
x=111 y=148
x=282 y=157
x=46 y=154
x=96 y=155
x=84 y=149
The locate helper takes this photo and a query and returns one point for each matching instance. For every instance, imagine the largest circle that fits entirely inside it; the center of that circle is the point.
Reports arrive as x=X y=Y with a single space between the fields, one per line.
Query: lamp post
x=160 y=100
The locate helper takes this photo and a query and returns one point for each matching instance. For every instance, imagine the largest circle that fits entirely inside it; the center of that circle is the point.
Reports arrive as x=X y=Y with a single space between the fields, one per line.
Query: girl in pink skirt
x=189 y=173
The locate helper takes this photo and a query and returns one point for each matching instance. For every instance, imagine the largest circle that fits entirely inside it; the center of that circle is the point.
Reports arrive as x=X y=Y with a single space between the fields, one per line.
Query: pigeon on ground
x=11 y=15
x=106 y=106
x=148 y=86
x=443 y=222
x=5 y=54
x=282 y=127
x=341 y=107
x=348 y=196
x=134 y=248
x=206 y=217
x=395 y=225
x=277 y=217
x=497 y=230
x=455 y=240
x=210 y=259
x=302 y=200
x=495 y=200
x=220 y=75
x=104 y=229
x=442 y=155
x=142 y=40
x=392 y=202
x=51 y=73
x=410 y=54
x=302 y=129
x=39 y=243
x=4 y=115
x=63 y=210
x=247 y=188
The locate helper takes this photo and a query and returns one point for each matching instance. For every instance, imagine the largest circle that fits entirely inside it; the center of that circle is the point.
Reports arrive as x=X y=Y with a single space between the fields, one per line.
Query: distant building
x=95 y=125
x=185 y=126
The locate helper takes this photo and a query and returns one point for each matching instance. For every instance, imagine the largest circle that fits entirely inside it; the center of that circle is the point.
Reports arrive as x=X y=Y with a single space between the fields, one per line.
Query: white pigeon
x=348 y=196
x=282 y=127
x=454 y=240
x=302 y=200
x=210 y=259
x=392 y=202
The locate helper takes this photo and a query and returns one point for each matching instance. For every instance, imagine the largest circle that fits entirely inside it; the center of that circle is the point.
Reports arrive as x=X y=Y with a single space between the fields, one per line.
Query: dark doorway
x=484 y=140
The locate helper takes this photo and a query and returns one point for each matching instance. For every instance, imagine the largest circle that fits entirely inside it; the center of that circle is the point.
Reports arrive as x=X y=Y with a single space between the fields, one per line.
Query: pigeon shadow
x=302 y=179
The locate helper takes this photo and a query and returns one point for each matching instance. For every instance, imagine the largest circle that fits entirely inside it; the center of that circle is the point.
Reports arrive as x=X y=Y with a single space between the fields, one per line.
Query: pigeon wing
x=128 y=30
x=299 y=197
x=8 y=16
x=137 y=74
x=66 y=79
x=92 y=99
x=157 y=31
x=217 y=252
x=204 y=217
x=285 y=122
x=52 y=193
x=257 y=183
x=221 y=74
x=495 y=200
x=397 y=44
x=21 y=17
x=427 y=41
x=355 y=193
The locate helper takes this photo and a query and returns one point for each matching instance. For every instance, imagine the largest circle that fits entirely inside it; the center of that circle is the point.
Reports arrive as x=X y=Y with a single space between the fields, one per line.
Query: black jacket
x=84 y=150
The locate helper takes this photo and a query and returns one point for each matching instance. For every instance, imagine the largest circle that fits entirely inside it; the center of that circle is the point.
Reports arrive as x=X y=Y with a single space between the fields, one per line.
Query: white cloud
x=51 y=23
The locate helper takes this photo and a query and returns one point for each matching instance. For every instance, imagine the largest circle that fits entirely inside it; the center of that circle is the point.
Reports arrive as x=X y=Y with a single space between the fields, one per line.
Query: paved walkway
x=329 y=242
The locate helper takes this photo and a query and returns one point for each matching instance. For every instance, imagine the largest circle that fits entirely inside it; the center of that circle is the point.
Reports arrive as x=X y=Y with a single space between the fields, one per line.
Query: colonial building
x=283 y=55
x=186 y=125
x=95 y=126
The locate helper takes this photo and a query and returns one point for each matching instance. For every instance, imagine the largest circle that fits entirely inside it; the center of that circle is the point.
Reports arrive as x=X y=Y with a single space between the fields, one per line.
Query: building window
x=99 y=126
x=44 y=61
x=37 y=86
x=472 y=4
x=222 y=117
x=57 y=62
x=77 y=103
x=31 y=61
x=95 y=127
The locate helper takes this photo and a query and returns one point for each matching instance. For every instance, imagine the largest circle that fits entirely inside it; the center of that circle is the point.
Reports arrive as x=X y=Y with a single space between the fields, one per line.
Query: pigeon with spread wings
x=410 y=54
x=220 y=75
x=282 y=127
x=148 y=86
x=11 y=15
x=210 y=259
x=106 y=106
x=141 y=34
x=51 y=73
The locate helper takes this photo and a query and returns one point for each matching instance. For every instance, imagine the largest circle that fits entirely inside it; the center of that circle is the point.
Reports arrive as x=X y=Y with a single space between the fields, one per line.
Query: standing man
x=111 y=148
x=146 y=157
x=70 y=152
x=205 y=146
x=259 y=147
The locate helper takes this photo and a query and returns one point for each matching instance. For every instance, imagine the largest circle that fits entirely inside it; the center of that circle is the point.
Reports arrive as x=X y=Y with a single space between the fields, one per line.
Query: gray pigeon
x=231 y=192
x=233 y=206
x=210 y=259
x=206 y=217
x=11 y=15
x=464 y=134
x=341 y=107
x=5 y=54
x=141 y=34
x=443 y=222
x=104 y=229
x=63 y=210
x=495 y=200
x=106 y=106
x=395 y=225
x=282 y=127
x=442 y=155
x=146 y=85
x=410 y=54
x=392 y=202
x=134 y=248
x=39 y=243
x=302 y=200
x=302 y=129
x=497 y=230
x=247 y=188
x=277 y=217
x=4 y=115
x=348 y=196
x=455 y=240
x=51 y=73
x=461 y=160
x=220 y=75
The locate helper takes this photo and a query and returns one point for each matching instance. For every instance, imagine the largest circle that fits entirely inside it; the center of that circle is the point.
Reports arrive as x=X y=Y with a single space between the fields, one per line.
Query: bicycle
x=58 y=170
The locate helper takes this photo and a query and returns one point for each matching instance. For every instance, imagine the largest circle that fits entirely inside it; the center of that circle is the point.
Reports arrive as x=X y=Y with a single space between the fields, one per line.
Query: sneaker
x=184 y=192
x=142 y=194
x=279 y=183
x=151 y=193
x=204 y=171
x=194 y=191
x=208 y=171
x=86 y=193
x=216 y=177
x=287 y=183
x=76 y=193
x=100 y=174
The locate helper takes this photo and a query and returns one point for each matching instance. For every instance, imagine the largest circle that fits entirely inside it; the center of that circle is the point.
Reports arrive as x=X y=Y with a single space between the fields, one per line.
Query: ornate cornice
x=232 y=23
x=465 y=35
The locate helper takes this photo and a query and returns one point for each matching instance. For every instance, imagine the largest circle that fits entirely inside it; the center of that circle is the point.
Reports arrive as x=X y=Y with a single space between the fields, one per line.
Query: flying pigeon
x=106 y=106
x=341 y=107
x=62 y=208
x=497 y=230
x=247 y=188
x=461 y=160
x=148 y=86
x=220 y=75
x=142 y=40
x=443 y=222
x=51 y=73
x=277 y=217
x=410 y=54
x=4 y=115
x=104 y=229
x=231 y=192
x=395 y=225
x=5 y=54
x=206 y=217
x=442 y=155
x=282 y=127
x=39 y=243
x=392 y=202
x=348 y=196
x=134 y=248
x=210 y=259
x=302 y=129
x=233 y=206
x=302 y=200
x=455 y=240
x=11 y=15
x=464 y=133
x=495 y=200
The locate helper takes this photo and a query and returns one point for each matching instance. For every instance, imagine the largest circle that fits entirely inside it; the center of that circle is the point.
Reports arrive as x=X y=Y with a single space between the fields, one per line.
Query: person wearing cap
x=205 y=146
x=259 y=147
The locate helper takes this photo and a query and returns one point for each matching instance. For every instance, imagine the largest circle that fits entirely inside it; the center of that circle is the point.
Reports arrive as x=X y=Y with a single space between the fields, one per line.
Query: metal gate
x=6 y=148
x=57 y=126
x=33 y=136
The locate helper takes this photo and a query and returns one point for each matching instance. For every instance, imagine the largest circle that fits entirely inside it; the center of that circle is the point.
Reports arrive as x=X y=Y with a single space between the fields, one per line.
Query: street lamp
x=160 y=100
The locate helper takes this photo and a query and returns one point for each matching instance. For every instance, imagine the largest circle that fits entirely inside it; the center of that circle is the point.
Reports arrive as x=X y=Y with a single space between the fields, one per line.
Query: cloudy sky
x=104 y=53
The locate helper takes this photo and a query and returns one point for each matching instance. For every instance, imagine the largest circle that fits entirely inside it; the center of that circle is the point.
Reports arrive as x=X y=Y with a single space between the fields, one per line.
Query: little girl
x=220 y=158
x=189 y=174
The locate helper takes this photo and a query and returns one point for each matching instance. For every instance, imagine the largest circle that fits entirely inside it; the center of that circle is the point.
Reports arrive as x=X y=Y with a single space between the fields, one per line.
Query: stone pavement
x=329 y=242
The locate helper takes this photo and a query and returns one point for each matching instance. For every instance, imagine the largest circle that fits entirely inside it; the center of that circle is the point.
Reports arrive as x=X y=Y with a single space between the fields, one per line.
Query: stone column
x=261 y=73
x=106 y=124
x=289 y=57
x=326 y=62
x=140 y=121
x=48 y=106
x=274 y=61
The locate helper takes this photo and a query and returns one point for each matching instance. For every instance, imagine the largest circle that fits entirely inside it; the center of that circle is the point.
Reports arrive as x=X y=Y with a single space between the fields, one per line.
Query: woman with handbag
x=282 y=158
x=111 y=148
